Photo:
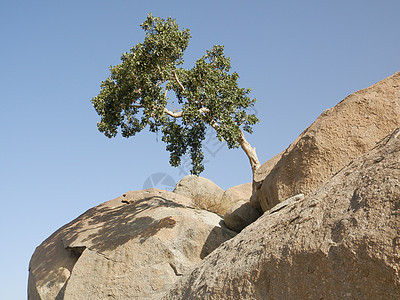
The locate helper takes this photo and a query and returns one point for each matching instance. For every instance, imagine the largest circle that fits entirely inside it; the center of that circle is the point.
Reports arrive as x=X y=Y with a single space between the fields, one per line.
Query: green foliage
x=135 y=94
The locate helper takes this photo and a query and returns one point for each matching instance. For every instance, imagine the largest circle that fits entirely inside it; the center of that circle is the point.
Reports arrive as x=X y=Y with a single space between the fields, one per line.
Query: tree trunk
x=250 y=152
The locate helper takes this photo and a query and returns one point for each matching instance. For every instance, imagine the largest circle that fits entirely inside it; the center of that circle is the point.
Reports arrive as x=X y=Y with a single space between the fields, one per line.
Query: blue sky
x=298 y=57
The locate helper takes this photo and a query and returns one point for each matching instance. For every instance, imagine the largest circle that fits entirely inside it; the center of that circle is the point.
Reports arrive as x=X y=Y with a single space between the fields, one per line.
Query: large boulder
x=133 y=247
x=339 y=135
x=240 y=212
x=204 y=193
x=341 y=242
x=241 y=192
x=258 y=178
x=240 y=215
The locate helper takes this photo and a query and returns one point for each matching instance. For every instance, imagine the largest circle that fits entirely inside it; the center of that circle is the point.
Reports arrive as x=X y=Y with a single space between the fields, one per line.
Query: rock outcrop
x=339 y=135
x=341 y=242
x=133 y=247
x=241 y=192
x=240 y=215
x=204 y=193
x=233 y=204
x=240 y=212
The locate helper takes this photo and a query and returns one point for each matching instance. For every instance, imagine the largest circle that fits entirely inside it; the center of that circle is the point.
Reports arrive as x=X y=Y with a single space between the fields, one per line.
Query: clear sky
x=298 y=57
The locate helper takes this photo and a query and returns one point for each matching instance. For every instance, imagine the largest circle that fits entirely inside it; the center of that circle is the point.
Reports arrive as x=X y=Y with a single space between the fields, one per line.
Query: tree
x=135 y=96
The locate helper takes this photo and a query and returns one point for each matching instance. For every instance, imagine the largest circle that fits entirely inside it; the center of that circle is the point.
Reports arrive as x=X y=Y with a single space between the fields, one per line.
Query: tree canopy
x=135 y=95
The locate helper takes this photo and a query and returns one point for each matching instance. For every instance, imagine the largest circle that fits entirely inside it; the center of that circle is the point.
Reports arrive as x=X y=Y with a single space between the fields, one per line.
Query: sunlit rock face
x=340 y=242
x=135 y=246
x=338 y=136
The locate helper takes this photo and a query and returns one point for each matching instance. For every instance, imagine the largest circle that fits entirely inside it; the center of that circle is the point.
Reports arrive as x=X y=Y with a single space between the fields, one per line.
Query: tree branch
x=173 y=114
x=136 y=105
x=178 y=81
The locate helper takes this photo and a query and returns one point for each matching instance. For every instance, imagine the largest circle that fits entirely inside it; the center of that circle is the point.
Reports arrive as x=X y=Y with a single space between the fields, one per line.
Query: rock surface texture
x=204 y=193
x=341 y=242
x=241 y=192
x=331 y=227
x=339 y=135
x=133 y=247
x=239 y=212
x=240 y=215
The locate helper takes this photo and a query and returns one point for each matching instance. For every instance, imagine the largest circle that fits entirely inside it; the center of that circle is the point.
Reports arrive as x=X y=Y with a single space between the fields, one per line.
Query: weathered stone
x=258 y=179
x=241 y=192
x=339 y=135
x=240 y=215
x=204 y=193
x=341 y=242
x=239 y=212
x=135 y=246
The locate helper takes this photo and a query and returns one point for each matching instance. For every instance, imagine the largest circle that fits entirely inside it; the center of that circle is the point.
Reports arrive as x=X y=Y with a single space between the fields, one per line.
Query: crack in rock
x=177 y=273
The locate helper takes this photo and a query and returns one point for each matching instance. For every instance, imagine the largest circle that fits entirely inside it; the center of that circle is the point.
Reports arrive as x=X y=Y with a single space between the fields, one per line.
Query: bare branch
x=173 y=114
x=178 y=81
x=179 y=114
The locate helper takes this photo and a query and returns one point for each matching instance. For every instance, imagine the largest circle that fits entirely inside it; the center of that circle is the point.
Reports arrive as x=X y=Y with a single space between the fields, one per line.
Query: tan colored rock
x=241 y=192
x=339 y=135
x=240 y=215
x=204 y=193
x=341 y=242
x=133 y=247
x=259 y=177
x=231 y=196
